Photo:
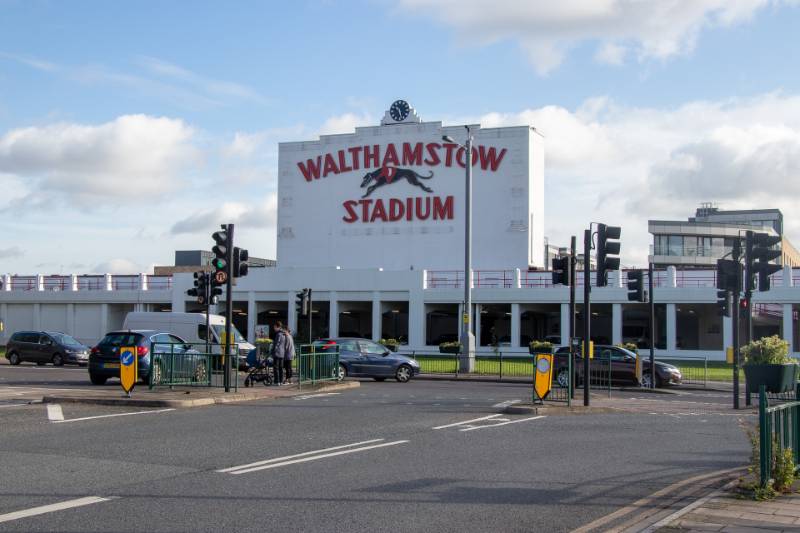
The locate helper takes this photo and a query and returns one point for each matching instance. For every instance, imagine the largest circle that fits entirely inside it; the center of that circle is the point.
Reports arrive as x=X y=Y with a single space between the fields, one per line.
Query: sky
x=129 y=130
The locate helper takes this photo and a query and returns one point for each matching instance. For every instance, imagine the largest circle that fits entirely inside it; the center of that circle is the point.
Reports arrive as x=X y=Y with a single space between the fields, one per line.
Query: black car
x=42 y=347
x=621 y=364
x=158 y=351
x=365 y=358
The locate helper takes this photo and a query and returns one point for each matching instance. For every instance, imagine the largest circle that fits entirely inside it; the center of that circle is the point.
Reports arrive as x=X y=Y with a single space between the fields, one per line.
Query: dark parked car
x=42 y=347
x=622 y=363
x=365 y=358
x=156 y=351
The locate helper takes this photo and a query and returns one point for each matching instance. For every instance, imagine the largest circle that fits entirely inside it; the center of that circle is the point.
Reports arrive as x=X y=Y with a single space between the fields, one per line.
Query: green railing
x=778 y=430
x=190 y=364
x=315 y=364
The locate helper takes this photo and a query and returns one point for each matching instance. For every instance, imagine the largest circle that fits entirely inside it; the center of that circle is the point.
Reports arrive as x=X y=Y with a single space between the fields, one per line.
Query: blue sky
x=128 y=130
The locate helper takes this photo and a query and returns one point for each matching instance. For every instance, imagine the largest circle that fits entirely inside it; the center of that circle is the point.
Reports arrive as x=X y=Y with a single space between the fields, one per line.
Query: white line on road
x=8 y=517
x=109 y=416
x=503 y=423
x=505 y=403
x=307 y=396
x=467 y=421
x=54 y=412
x=279 y=459
x=315 y=457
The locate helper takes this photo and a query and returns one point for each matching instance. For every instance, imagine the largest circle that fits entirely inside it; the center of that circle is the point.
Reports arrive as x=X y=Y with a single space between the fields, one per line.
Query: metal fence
x=190 y=364
x=694 y=370
x=778 y=430
x=315 y=364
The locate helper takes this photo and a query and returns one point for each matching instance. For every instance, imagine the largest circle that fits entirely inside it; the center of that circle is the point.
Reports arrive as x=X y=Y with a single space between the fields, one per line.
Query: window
x=372 y=348
x=675 y=245
x=122 y=339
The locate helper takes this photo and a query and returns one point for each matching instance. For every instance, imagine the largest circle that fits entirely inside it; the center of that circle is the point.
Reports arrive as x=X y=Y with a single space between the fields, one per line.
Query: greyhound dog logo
x=388 y=174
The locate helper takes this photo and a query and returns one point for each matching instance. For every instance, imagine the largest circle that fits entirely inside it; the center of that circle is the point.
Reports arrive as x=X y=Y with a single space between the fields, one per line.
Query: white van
x=191 y=327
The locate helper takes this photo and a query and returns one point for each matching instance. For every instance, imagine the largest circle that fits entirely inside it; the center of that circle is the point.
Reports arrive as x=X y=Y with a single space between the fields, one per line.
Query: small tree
x=767 y=351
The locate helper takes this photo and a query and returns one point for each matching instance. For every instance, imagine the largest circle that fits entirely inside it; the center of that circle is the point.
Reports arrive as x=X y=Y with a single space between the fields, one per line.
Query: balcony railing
x=87 y=282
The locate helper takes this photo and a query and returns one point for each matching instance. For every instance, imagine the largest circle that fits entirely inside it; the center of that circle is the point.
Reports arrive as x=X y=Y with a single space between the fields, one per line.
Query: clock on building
x=399 y=110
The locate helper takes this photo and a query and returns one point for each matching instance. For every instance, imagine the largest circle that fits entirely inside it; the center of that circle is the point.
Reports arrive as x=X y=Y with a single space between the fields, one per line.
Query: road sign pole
x=573 y=263
x=652 y=327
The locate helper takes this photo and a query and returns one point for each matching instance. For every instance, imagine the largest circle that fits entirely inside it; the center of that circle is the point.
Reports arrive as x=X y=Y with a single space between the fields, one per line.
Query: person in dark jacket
x=279 y=348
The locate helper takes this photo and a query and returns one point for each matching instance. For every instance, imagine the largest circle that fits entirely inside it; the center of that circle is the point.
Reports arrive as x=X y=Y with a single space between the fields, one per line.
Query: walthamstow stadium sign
x=392 y=196
x=391 y=165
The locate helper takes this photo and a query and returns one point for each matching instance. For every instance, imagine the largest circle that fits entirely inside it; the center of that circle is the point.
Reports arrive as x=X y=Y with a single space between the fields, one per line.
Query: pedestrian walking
x=288 y=357
x=279 y=352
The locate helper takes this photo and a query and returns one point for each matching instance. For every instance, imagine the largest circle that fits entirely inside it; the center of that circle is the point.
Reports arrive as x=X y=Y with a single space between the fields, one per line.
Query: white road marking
x=323 y=456
x=503 y=423
x=505 y=403
x=467 y=421
x=278 y=459
x=110 y=416
x=69 y=504
x=54 y=412
x=307 y=396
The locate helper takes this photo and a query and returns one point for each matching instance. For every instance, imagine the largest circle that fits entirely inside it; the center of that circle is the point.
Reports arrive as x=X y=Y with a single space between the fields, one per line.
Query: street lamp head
x=448 y=139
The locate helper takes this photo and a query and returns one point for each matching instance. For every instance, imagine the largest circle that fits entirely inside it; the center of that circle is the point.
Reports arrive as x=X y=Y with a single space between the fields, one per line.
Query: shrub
x=629 y=346
x=453 y=346
x=390 y=342
x=541 y=346
x=767 y=351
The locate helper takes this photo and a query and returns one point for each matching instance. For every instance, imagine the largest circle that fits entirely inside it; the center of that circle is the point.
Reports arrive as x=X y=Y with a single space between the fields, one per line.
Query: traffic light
x=561 y=270
x=199 y=289
x=724 y=303
x=220 y=251
x=760 y=257
x=728 y=275
x=636 y=286
x=214 y=294
x=607 y=245
x=240 y=266
x=302 y=302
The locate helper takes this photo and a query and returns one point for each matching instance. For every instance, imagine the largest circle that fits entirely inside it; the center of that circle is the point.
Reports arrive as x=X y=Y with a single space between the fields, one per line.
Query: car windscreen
x=65 y=340
x=124 y=338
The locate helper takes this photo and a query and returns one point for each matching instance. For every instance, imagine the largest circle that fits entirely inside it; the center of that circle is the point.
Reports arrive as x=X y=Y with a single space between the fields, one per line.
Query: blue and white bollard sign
x=128 y=368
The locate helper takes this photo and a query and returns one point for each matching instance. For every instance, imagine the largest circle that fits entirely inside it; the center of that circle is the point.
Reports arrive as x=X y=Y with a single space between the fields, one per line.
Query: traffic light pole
x=587 y=287
x=573 y=262
x=228 y=307
x=310 y=315
x=735 y=316
x=652 y=326
x=208 y=311
x=748 y=295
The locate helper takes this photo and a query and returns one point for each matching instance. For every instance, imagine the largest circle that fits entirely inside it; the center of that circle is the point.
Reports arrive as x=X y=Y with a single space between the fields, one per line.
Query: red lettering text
x=312 y=170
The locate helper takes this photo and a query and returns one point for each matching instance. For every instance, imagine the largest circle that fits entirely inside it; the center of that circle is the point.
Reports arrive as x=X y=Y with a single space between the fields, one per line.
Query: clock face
x=399 y=110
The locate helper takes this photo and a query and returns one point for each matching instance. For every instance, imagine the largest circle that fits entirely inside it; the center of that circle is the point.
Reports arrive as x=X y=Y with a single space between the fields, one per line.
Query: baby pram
x=260 y=369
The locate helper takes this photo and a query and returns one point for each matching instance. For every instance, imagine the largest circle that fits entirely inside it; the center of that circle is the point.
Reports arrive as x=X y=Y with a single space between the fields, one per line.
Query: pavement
x=189 y=396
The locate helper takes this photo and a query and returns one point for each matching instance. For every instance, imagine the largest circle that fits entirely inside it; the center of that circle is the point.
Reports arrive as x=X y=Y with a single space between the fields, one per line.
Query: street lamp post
x=467 y=362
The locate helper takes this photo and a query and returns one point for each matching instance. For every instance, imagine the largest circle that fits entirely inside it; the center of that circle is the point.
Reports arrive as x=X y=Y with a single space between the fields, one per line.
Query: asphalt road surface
x=422 y=456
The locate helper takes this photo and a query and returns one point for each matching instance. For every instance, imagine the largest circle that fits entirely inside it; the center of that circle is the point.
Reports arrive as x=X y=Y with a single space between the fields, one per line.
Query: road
x=422 y=456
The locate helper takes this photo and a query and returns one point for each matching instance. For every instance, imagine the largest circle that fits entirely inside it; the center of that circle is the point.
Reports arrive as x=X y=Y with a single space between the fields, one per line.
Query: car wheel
x=562 y=378
x=342 y=372
x=646 y=382
x=246 y=382
x=157 y=373
x=403 y=373
x=58 y=360
x=200 y=374
x=97 y=380
x=13 y=358
x=379 y=379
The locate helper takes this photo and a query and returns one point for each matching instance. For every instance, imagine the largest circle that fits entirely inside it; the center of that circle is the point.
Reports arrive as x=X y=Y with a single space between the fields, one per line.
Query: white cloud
x=626 y=165
x=260 y=215
x=345 y=123
x=546 y=30
x=118 y=266
x=14 y=251
x=134 y=156
x=611 y=54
